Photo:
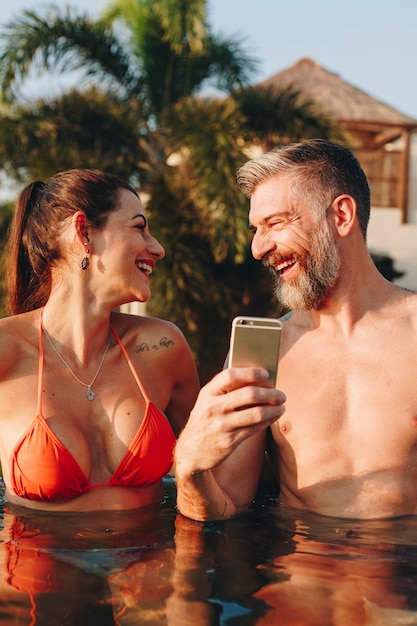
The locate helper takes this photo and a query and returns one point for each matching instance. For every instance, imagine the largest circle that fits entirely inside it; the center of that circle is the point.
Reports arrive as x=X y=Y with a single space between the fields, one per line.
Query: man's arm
x=220 y=453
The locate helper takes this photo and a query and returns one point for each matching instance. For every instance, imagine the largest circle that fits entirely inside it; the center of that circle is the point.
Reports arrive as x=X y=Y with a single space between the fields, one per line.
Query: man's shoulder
x=404 y=299
x=398 y=315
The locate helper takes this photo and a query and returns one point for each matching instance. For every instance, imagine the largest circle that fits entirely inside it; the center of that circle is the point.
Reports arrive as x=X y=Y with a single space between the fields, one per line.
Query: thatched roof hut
x=378 y=134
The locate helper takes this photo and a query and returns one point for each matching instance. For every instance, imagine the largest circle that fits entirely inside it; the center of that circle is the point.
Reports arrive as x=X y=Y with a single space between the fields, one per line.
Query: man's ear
x=343 y=209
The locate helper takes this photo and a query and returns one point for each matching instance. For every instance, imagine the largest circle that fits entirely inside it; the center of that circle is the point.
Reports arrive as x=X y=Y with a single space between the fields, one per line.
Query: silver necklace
x=90 y=395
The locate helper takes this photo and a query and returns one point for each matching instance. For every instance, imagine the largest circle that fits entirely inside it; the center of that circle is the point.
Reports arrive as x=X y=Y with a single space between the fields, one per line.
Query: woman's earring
x=85 y=262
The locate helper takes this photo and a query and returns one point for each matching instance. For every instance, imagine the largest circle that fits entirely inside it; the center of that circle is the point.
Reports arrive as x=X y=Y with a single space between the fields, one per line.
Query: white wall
x=388 y=236
x=412 y=186
x=135 y=308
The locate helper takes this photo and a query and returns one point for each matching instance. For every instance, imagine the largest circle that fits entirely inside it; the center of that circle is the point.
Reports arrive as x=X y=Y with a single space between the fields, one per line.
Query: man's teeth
x=144 y=266
x=284 y=264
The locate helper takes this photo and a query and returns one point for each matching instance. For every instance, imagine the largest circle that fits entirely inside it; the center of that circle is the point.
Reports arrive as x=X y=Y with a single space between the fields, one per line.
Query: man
x=346 y=444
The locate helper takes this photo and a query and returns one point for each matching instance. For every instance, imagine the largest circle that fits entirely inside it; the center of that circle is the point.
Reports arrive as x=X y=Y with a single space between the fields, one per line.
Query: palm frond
x=184 y=23
x=231 y=67
x=207 y=133
x=76 y=130
x=62 y=39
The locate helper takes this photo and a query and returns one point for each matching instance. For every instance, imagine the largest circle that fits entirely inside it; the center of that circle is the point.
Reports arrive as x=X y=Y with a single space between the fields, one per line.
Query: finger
x=243 y=425
x=239 y=414
x=218 y=408
x=250 y=396
x=254 y=418
x=237 y=377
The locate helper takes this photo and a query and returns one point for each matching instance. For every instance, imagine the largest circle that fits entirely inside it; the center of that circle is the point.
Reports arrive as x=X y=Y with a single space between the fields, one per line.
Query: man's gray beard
x=321 y=270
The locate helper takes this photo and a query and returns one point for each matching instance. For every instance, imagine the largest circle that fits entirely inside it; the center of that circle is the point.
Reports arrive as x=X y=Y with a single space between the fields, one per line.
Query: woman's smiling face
x=125 y=251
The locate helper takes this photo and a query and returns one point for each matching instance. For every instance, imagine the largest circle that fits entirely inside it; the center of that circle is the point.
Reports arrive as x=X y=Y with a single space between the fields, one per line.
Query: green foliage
x=203 y=133
x=66 y=42
x=75 y=130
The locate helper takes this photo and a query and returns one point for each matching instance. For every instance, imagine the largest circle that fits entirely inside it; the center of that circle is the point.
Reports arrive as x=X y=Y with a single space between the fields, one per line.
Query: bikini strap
x=132 y=367
x=40 y=367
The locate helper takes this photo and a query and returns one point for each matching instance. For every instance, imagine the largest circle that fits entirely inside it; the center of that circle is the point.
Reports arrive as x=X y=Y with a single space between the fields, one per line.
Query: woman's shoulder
x=158 y=350
x=19 y=327
x=148 y=332
x=19 y=338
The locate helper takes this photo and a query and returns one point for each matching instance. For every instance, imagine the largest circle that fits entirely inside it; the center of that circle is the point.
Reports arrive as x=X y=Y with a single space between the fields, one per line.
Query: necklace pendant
x=90 y=394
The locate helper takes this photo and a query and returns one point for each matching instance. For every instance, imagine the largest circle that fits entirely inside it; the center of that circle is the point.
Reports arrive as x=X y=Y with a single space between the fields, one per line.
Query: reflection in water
x=270 y=566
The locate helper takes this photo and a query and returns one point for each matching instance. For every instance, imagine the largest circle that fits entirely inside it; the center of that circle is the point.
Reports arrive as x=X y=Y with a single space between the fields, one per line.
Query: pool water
x=271 y=566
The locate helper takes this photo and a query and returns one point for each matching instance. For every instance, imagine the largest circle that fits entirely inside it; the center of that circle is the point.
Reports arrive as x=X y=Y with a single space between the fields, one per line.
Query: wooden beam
x=404 y=178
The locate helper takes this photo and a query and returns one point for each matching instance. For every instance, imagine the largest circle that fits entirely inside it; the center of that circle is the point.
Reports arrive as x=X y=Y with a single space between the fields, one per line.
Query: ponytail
x=26 y=286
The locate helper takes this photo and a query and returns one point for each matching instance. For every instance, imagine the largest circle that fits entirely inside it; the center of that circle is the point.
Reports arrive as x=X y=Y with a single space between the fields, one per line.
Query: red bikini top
x=43 y=469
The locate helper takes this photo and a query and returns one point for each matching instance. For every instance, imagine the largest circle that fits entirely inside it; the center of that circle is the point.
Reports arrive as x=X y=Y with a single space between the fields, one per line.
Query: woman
x=91 y=400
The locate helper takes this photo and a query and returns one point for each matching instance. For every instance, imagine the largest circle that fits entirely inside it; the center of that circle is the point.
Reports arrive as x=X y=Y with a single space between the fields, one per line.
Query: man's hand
x=220 y=453
x=232 y=407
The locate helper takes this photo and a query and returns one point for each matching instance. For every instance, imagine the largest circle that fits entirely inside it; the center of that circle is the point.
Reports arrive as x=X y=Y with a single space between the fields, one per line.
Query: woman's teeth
x=144 y=266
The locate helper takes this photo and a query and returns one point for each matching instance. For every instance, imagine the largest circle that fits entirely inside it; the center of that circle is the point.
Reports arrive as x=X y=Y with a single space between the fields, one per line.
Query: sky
x=371 y=44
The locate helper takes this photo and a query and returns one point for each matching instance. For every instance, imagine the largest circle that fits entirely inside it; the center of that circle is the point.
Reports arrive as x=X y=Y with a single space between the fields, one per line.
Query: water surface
x=271 y=566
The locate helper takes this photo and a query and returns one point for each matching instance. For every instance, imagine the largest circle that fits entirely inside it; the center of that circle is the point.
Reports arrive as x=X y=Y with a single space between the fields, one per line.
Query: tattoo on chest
x=164 y=342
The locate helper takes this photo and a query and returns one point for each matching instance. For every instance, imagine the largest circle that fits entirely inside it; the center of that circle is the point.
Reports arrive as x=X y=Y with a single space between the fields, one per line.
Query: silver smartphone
x=255 y=341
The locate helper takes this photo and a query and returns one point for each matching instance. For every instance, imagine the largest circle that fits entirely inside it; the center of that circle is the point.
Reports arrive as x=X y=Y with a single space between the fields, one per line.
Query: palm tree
x=73 y=129
x=139 y=111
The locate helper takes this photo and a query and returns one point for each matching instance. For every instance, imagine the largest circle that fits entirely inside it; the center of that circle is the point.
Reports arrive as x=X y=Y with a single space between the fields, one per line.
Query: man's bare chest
x=360 y=402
